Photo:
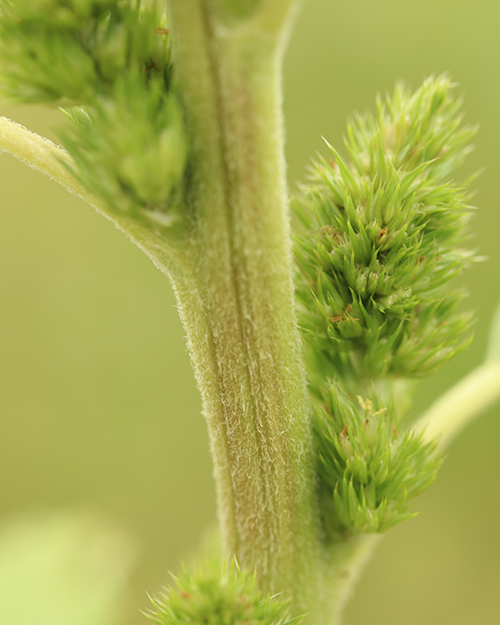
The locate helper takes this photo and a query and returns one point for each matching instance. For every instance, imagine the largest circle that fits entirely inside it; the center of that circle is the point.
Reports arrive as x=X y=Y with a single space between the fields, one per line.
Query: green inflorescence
x=219 y=594
x=135 y=140
x=71 y=50
x=371 y=469
x=383 y=240
x=107 y=62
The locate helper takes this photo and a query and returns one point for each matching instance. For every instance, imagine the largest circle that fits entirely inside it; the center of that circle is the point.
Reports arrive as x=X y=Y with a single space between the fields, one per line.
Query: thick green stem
x=233 y=283
x=238 y=306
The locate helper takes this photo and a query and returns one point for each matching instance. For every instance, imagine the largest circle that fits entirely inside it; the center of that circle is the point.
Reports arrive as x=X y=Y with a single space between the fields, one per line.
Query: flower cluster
x=219 y=594
x=68 y=51
x=383 y=240
x=384 y=235
x=371 y=469
x=130 y=151
x=108 y=63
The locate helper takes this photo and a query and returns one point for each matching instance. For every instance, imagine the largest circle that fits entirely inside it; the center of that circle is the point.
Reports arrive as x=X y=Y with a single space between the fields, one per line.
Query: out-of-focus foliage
x=72 y=50
x=63 y=568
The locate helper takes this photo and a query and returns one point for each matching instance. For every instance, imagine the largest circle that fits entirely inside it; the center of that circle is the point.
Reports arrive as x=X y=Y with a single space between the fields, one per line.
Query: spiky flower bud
x=384 y=238
x=219 y=594
x=368 y=471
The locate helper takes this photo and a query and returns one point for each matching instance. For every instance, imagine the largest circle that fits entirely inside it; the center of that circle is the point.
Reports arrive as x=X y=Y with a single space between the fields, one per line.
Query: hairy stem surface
x=239 y=310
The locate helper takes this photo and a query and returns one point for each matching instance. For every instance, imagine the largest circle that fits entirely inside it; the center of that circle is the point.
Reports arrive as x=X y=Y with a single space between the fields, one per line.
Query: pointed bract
x=368 y=471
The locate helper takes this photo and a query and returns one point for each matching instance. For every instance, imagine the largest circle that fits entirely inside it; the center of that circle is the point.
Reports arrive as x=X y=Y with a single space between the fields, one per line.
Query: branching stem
x=43 y=155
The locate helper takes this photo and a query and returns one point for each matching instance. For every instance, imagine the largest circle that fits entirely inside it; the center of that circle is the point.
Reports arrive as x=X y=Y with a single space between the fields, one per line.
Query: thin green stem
x=346 y=563
x=474 y=394
x=247 y=357
x=40 y=154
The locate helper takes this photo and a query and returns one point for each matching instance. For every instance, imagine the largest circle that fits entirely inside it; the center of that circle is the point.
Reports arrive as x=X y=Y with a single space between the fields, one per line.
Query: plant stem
x=40 y=154
x=346 y=562
x=238 y=306
x=461 y=404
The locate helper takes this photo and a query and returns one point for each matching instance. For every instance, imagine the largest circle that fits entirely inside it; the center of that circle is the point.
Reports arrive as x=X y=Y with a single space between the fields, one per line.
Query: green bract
x=219 y=594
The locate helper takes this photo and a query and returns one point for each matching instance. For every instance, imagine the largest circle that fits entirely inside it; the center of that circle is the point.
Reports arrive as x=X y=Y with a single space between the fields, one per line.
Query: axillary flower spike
x=383 y=239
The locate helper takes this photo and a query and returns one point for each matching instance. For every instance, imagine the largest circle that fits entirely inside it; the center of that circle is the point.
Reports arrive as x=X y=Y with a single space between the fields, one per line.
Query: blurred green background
x=99 y=408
